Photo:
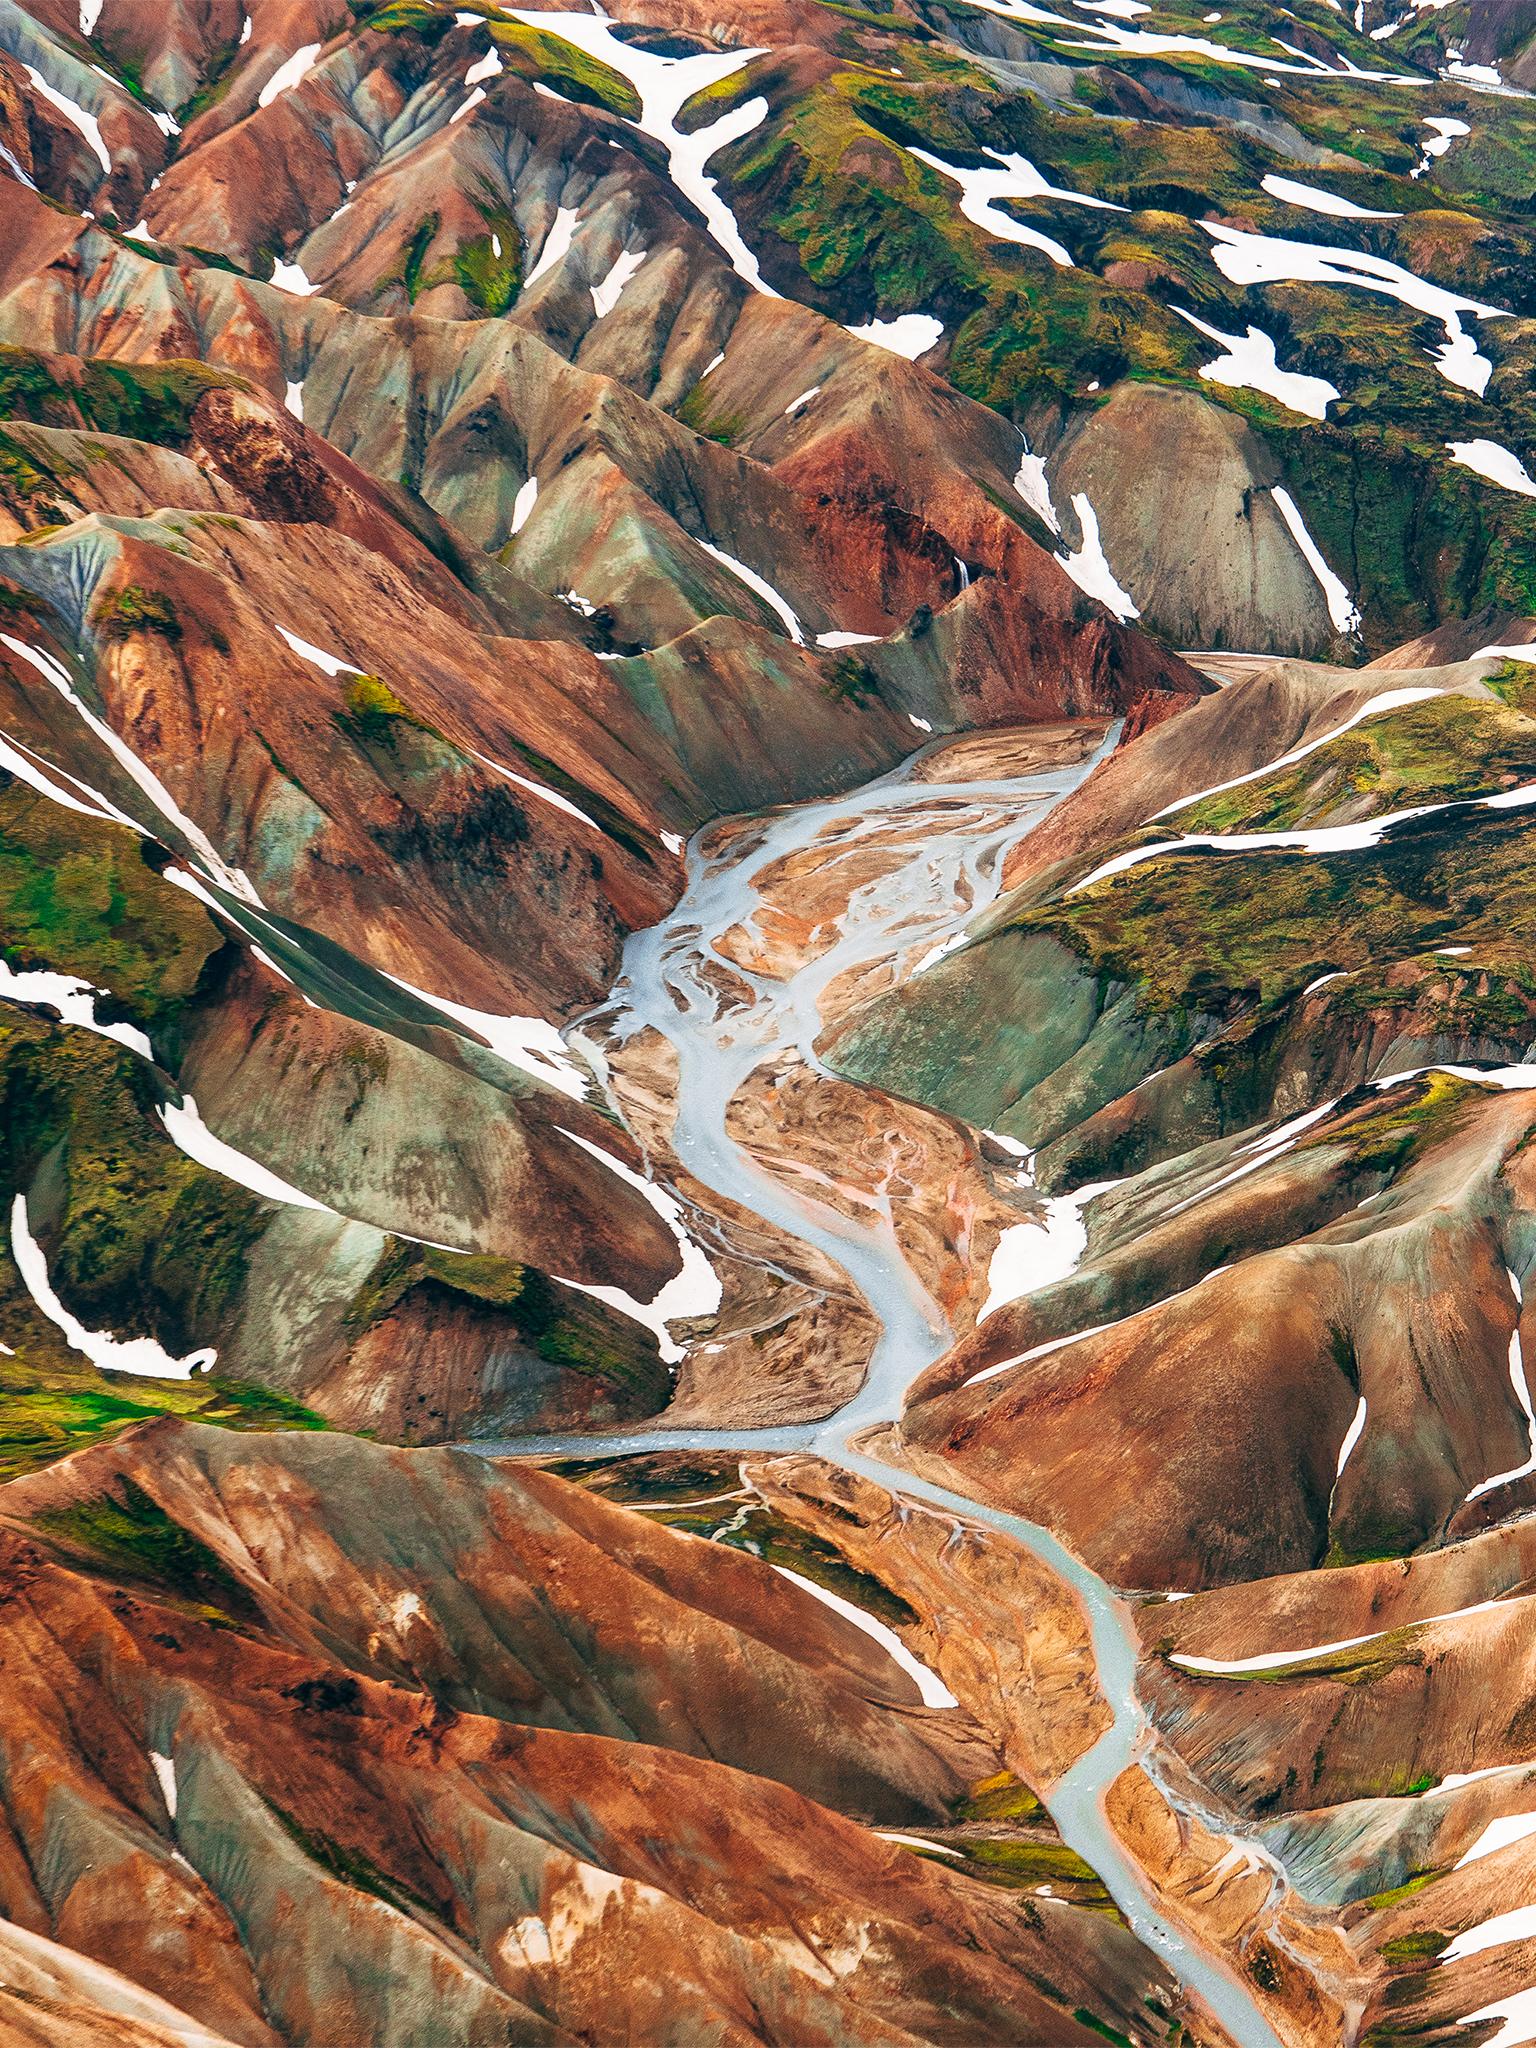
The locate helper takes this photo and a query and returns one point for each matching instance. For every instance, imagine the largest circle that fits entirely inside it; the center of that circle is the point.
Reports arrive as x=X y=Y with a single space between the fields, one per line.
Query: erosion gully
x=672 y=982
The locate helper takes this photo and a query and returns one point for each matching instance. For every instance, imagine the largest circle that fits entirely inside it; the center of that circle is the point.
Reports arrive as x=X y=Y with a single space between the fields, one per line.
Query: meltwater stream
x=678 y=983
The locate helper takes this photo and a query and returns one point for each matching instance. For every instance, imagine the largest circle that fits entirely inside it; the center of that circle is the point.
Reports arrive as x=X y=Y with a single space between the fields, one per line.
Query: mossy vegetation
x=489 y=267
x=84 y=898
x=1003 y=1797
x=1408 y=1889
x=122 y=613
x=1181 y=927
x=699 y=412
x=141 y=401
x=556 y=1323
x=537 y=53
x=145 y=1240
x=1445 y=750
x=706 y=1497
x=1410 y=1949
x=128 y=1532
x=376 y=716
x=351 y=1866
x=49 y=1410
x=851 y=681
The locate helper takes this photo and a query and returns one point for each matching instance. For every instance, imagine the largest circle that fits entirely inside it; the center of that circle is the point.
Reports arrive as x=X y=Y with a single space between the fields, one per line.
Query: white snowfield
x=153 y=788
x=695 y=1291
x=75 y=1001
x=933 y=1690
x=531 y=1044
x=1014 y=178
x=78 y=117
x=329 y=664
x=187 y=1131
x=1139 y=42
x=523 y=504
x=1522 y=1392
x=1321 y=839
x=664 y=86
x=1443 y=133
x=1499 y=1834
x=1280 y=1660
x=1498 y=464
x=1088 y=565
x=1352 y=1437
x=610 y=289
x=1251 y=259
x=763 y=588
x=557 y=242
x=1342 y=609
x=1249 y=363
x=141 y=1356
x=288 y=74
x=1029 y=1256
x=1315 y=200
x=1030 y=483
x=909 y=334
x=1389 y=700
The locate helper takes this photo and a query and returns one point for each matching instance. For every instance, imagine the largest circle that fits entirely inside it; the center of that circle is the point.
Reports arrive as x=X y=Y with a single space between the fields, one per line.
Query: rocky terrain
x=766 y=1024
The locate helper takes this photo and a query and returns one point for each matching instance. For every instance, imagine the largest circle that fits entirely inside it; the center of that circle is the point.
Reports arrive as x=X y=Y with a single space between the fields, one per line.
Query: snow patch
x=763 y=588
x=75 y=1001
x=1519 y=1924
x=538 y=789
x=1498 y=464
x=1015 y=178
x=1389 y=700
x=1315 y=200
x=523 y=503
x=556 y=243
x=1088 y=566
x=1509 y=1827
x=1250 y=259
x=695 y=1291
x=165 y=1771
x=140 y=1356
x=290 y=278
x=331 y=664
x=77 y=116
x=1445 y=133
x=934 y=1692
x=1029 y=1256
x=187 y=1131
x=288 y=74
x=531 y=1044
x=664 y=86
x=1342 y=609
x=909 y=334
x=1250 y=364
x=1279 y=1660
x=1351 y=1438
x=137 y=771
x=606 y=296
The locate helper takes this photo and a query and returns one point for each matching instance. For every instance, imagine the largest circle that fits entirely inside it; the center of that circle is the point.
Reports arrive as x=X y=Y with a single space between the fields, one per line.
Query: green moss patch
x=121 y=614
x=536 y=53
x=142 y=401
x=556 y=1323
x=132 y=1534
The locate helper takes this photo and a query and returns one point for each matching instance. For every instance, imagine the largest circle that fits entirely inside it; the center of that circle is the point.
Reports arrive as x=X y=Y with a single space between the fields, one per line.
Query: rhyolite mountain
x=767 y=985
